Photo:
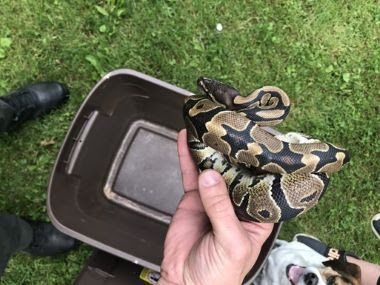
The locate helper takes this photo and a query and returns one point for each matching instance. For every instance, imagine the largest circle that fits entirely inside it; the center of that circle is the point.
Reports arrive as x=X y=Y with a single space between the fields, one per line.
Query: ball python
x=269 y=178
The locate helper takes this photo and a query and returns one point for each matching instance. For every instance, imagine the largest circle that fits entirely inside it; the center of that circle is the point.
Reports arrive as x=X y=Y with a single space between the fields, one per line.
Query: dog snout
x=311 y=279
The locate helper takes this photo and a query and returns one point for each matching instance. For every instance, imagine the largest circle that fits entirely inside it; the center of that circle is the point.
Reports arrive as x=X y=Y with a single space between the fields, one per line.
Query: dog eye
x=331 y=280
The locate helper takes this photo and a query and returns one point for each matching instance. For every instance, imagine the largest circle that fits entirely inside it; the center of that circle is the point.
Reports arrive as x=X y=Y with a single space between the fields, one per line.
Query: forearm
x=370 y=273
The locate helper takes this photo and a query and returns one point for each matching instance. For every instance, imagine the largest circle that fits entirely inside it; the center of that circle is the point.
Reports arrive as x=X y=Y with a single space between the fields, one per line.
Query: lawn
x=324 y=54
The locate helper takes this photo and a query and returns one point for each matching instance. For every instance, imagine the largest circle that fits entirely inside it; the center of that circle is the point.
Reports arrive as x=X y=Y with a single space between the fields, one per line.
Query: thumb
x=217 y=204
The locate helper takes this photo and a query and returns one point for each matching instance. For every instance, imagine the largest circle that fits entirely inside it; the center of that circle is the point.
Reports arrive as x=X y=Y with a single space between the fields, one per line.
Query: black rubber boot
x=48 y=241
x=6 y=116
x=375 y=224
x=32 y=101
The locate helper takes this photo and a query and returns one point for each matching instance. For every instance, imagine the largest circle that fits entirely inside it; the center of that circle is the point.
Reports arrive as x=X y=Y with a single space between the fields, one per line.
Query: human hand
x=206 y=243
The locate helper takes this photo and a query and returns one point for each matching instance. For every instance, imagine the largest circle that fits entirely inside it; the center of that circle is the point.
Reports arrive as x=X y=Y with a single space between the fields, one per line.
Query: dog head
x=335 y=273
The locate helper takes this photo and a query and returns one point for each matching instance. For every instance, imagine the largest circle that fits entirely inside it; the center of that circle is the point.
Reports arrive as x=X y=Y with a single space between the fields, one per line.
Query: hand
x=206 y=243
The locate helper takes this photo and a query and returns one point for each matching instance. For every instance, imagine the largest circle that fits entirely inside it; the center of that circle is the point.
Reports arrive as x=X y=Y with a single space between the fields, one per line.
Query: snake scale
x=269 y=178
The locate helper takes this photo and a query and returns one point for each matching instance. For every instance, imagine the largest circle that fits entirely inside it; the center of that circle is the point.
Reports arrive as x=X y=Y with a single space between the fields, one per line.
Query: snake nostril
x=311 y=279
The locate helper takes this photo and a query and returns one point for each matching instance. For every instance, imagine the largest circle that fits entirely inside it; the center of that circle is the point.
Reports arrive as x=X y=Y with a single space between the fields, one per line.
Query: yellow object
x=149 y=276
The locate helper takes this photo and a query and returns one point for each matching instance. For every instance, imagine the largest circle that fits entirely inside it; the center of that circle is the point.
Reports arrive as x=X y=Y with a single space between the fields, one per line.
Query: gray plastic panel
x=147 y=155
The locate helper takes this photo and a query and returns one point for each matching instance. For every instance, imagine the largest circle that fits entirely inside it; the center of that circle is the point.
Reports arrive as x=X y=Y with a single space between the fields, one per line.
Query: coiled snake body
x=269 y=179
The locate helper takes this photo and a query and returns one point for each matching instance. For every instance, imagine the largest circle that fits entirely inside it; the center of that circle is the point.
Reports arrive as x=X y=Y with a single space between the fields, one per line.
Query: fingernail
x=209 y=178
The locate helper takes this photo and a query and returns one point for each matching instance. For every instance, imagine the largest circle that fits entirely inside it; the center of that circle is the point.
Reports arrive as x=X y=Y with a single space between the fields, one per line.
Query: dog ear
x=346 y=269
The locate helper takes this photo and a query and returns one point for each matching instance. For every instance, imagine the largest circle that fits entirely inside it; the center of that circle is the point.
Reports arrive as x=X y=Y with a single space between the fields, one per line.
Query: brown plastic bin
x=116 y=181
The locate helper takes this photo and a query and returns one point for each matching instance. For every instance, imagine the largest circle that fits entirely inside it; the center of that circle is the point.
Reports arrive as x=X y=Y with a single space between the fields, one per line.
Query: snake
x=270 y=178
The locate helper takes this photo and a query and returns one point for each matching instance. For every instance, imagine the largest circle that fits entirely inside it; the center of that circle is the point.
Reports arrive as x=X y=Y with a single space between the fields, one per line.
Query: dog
x=294 y=263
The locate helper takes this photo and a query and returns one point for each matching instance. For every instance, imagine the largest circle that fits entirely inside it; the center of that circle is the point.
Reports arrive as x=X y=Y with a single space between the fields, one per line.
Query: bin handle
x=79 y=141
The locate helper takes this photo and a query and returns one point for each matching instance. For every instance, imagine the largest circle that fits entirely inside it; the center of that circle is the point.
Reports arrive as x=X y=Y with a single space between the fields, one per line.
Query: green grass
x=324 y=54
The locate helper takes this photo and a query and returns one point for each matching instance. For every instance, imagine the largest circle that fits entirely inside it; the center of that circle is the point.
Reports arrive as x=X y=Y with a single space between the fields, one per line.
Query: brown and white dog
x=294 y=263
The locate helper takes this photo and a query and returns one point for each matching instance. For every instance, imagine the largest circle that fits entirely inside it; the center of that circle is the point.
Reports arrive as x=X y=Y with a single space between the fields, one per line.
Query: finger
x=188 y=169
x=218 y=207
x=191 y=203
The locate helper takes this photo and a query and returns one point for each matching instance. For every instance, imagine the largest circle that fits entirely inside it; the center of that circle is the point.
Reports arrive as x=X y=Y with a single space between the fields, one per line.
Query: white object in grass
x=219 y=27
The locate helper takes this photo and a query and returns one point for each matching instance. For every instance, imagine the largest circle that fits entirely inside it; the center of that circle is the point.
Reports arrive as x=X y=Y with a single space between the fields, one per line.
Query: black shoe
x=375 y=224
x=35 y=100
x=323 y=249
x=48 y=241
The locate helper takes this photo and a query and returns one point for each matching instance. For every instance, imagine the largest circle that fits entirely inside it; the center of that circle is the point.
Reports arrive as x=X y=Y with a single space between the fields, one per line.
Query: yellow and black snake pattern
x=269 y=179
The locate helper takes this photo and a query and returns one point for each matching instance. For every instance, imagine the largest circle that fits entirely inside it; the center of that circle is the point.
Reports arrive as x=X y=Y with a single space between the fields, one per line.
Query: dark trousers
x=6 y=115
x=15 y=235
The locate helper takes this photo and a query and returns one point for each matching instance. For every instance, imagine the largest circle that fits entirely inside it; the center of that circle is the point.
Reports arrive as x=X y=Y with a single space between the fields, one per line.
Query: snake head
x=218 y=91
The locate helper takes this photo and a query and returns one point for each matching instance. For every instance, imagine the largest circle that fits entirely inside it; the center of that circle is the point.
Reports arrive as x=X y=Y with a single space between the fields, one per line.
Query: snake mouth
x=293 y=273
x=219 y=92
x=202 y=83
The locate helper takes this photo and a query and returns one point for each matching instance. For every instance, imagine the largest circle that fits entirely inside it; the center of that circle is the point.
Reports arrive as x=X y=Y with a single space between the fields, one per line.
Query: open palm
x=206 y=243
